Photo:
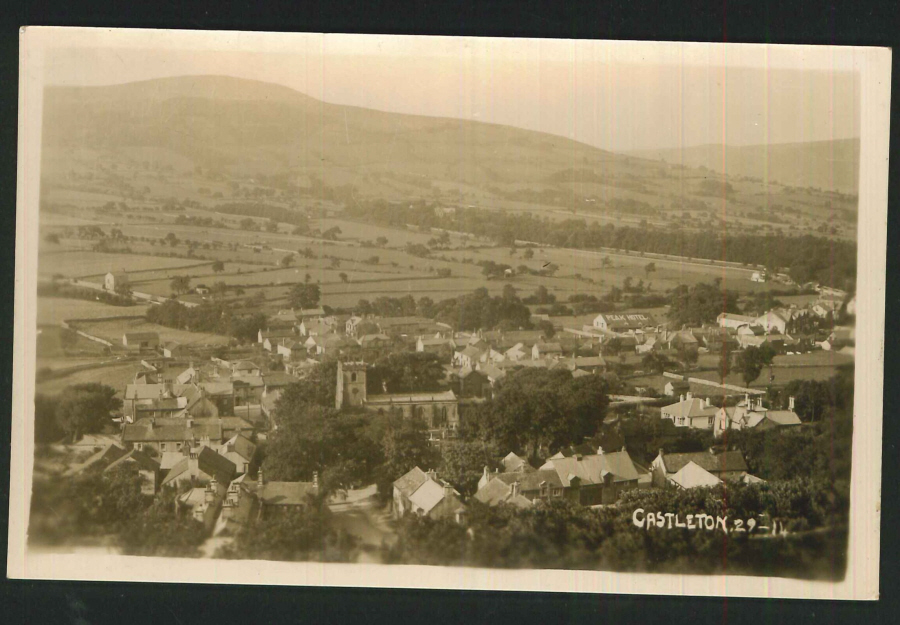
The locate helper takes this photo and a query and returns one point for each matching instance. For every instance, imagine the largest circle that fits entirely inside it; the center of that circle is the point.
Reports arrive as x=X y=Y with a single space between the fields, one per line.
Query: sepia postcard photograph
x=449 y=312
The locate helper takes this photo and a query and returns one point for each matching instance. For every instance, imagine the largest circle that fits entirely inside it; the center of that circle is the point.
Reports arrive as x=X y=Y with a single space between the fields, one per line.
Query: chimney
x=260 y=479
x=660 y=451
x=791 y=403
x=623 y=448
x=599 y=451
x=432 y=474
x=153 y=420
x=747 y=399
x=210 y=495
x=487 y=473
x=316 y=480
x=712 y=450
x=515 y=488
x=189 y=423
x=682 y=397
x=448 y=491
x=690 y=395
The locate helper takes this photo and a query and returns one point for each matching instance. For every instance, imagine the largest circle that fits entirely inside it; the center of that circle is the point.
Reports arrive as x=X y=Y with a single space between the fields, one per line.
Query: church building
x=439 y=410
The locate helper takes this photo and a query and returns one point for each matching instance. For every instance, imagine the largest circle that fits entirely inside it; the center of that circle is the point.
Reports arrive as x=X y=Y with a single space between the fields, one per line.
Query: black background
x=761 y=21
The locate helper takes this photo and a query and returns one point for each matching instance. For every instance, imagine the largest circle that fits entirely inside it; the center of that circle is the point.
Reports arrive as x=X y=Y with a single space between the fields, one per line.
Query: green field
x=53 y=310
x=112 y=331
x=81 y=263
x=116 y=376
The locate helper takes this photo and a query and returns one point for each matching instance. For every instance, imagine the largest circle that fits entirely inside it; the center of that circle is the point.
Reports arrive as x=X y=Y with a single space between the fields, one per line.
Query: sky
x=619 y=96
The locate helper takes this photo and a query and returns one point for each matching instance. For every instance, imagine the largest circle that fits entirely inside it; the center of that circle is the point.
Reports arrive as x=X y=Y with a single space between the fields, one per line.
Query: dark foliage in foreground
x=567 y=536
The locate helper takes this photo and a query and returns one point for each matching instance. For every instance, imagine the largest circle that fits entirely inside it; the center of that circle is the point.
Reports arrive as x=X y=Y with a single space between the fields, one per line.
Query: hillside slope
x=830 y=165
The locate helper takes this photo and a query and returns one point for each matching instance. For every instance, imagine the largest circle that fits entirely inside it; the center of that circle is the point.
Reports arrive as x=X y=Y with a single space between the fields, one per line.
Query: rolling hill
x=830 y=165
x=148 y=139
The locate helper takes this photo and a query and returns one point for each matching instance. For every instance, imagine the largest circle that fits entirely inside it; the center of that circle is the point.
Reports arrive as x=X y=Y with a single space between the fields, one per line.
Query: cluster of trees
x=534 y=409
x=563 y=535
x=479 y=309
x=472 y=311
x=750 y=361
x=304 y=295
x=347 y=448
x=405 y=372
x=807 y=491
x=212 y=317
x=700 y=303
x=110 y=506
x=294 y=535
x=809 y=258
x=77 y=410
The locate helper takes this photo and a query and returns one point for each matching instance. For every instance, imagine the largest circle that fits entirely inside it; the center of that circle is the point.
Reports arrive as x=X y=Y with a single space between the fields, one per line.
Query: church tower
x=351 y=384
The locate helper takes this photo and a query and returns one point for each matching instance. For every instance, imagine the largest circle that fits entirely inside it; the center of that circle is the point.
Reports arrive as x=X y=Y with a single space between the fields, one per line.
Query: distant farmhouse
x=623 y=323
x=142 y=341
x=116 y=281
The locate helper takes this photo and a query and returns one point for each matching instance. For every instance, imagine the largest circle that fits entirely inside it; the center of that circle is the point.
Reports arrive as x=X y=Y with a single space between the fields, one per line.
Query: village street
x=360 y=514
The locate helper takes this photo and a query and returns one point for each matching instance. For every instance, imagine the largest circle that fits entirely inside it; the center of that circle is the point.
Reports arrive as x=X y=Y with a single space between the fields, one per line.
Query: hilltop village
x=358 y=425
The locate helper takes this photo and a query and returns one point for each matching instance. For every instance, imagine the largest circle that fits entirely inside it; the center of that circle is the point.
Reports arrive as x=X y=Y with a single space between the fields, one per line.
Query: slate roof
x=690 y=408
x=414 y=398
x=208 y=462
x=429 y=495
x=497 y=492
x=718 y=462
x=285 y=493
x=102 y=458
x=531 y=480
x=513 y=462
x=783 y=417
x=241 y=445
x=591 y=469
x=692 y=475
x=175 y=429
x=411 y=481
x=138 y=457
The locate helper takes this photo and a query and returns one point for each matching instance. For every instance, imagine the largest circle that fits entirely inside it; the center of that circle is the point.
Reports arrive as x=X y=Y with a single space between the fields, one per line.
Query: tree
x=52 y=238
x=332 y=233
x=86 y=408
x=161 y=531
x=304 y=295
x=538 y=407
x=547 y=328
x=287 y=261
x=381 y=241
x=649 y=268
x=655 y=362
x=528 y=254
x=463 y=462
x=171 y=239
x=701 y=303
x=750 y=362
x=405 y=372
x=46 y=426
x=317 y=388
x=344 y=278
x=296 y=535
x=688 y=357
x=180 y=284
x=405 y=445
